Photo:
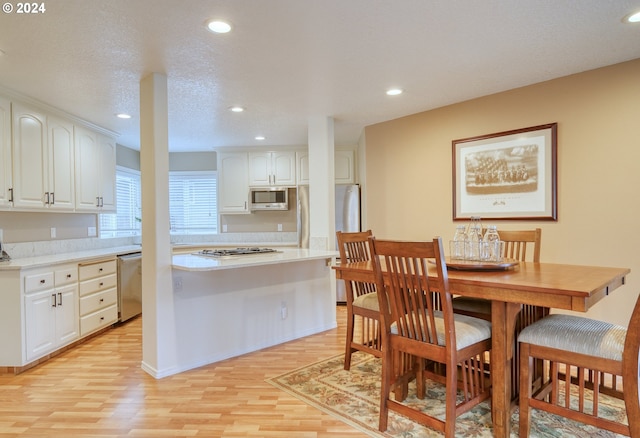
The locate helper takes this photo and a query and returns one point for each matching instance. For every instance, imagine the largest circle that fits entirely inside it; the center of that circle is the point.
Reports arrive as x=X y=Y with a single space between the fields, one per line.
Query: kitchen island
x=225 y=307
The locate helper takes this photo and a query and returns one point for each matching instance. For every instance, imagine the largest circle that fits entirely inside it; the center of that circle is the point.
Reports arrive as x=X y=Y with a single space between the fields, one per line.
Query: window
x=126 y=222
x=193 y=202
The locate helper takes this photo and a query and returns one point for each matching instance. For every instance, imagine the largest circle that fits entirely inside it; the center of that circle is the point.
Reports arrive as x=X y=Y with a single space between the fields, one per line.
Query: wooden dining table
x=557 y=286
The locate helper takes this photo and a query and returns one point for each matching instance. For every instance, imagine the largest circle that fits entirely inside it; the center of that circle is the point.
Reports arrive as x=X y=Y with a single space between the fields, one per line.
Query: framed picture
x=508 y=175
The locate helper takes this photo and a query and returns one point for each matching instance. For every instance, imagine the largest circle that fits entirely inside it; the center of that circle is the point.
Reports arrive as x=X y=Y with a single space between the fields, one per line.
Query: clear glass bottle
x=492 y=247
x=474 y=239
x=457 y=246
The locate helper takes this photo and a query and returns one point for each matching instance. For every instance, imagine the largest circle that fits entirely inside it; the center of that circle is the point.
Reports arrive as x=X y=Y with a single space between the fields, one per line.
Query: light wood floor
x=99 y=390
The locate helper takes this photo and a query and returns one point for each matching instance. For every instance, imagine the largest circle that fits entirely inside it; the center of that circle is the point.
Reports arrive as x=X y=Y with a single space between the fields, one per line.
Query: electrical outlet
x=224 y=228
x=177 y=284
x=91 y=232
x=284 y=312
x=53 y=232
x=279 y=227
x=1 y=235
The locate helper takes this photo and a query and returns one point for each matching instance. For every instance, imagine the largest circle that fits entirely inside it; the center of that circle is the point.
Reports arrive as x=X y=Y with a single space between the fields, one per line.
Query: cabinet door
x=283 y=165
x=30 y=149
x=5 y=153
x=233 y=183
x=67 y=314
x=344 y=167
x=86 y=164
x=260 y=169
x=61 y=185
x=302 y=167
x=40 y=323
x=107 y=184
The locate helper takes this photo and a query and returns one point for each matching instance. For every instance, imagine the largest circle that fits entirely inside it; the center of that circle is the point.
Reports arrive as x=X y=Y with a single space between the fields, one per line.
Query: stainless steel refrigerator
x=347 y=218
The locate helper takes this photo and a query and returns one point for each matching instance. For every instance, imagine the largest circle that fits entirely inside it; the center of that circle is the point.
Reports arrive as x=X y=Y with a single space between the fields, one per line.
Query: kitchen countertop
x=192 y=262
x=67 y=257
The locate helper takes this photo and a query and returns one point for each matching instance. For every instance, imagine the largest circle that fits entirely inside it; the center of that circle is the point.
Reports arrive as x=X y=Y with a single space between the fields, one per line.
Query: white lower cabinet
x=51 y=309
x=98 y=295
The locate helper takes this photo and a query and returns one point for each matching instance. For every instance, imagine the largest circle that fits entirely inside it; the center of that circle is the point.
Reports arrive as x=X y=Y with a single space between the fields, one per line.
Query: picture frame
x=509 y=175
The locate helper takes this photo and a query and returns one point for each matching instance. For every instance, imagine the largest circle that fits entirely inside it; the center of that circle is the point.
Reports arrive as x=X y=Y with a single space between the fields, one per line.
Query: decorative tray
x=474 y=265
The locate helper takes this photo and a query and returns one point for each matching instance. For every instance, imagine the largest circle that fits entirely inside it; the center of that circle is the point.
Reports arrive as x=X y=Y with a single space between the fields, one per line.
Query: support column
x=321 y=184
x=158 y=328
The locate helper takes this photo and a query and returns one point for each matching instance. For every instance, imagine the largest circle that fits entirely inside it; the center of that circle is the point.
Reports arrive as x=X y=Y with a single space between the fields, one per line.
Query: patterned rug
x=353 y=397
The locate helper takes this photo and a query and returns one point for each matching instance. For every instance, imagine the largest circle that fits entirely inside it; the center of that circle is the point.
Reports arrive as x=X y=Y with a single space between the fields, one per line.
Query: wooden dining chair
x=362 y=300
x=582 y=356
x=519 y=245
x=434 y=340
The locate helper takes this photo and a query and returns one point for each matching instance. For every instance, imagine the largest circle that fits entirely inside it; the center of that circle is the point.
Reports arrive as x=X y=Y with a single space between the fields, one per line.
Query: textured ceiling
x=287 y=60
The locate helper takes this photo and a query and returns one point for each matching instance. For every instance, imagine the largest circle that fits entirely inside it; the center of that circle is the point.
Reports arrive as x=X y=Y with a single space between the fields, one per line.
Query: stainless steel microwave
x=269 y=198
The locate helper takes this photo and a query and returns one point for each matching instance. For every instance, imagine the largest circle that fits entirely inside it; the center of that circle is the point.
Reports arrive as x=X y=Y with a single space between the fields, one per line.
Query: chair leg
x=450 y=400
x=348 y=350
x=385 y=388
x=525 y=390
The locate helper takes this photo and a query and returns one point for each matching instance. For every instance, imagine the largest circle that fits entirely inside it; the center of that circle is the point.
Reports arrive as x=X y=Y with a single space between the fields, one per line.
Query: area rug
x=353 y=397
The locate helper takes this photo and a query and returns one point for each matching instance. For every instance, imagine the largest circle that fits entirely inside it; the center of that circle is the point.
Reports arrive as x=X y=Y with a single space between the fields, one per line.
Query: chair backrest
x=354 y=247
x=516 y=243
x=412 y=299
x=630 y=358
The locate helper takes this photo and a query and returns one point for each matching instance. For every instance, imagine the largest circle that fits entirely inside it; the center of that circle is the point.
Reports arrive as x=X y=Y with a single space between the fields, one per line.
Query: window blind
x=126 y=222
x=193 y=202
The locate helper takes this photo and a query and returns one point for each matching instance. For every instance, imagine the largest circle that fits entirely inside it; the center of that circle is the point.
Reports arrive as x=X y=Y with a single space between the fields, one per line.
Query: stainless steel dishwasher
x=129 y=285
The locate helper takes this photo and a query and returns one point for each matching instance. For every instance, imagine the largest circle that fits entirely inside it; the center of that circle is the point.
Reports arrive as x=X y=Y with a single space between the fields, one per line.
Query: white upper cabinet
x=95 y=171
x=107 y=173
x=60 y=166
x=345 y=167
x=344 y=170
x=272 y=169
x=30 y=158
x=233 y=183
x=5 y=153
x=43 y=157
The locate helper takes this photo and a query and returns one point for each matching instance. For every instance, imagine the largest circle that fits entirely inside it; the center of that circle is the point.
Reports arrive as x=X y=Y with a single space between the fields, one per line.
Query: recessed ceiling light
x=123 y=116
x=260 y=137
x=218 y=26
x=394 y=92
x=632 y=18
x=236 y=109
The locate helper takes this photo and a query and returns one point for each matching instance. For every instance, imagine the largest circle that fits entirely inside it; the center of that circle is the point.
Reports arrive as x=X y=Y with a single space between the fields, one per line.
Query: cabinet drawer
x=97 y=320
x=66 y=275
x=38 y=282
x=97 y=269
x=97 y=301
x=98 y=284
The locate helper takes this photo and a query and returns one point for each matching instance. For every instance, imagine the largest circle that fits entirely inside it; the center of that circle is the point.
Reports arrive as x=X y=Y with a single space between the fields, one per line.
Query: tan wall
x=408 y=193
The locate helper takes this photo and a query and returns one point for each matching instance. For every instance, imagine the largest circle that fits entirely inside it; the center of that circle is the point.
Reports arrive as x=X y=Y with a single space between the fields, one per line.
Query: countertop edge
x=195 y=263
x=70 y=257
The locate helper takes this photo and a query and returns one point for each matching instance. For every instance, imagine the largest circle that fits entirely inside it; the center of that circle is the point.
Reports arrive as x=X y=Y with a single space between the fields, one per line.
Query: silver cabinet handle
x=53 y=198
x=46 y=197
x=11 y=195
x=59 y=298
x=53 y=301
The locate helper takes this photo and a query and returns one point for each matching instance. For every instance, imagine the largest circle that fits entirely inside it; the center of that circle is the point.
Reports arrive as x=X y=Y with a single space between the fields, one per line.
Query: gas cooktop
x=234 y=252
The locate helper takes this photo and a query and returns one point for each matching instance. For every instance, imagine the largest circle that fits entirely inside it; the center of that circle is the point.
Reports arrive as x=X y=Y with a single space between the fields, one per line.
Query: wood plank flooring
x=99 y=390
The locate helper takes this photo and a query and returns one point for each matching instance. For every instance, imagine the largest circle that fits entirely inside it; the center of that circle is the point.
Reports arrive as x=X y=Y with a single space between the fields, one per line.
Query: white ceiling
x=287 y=60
